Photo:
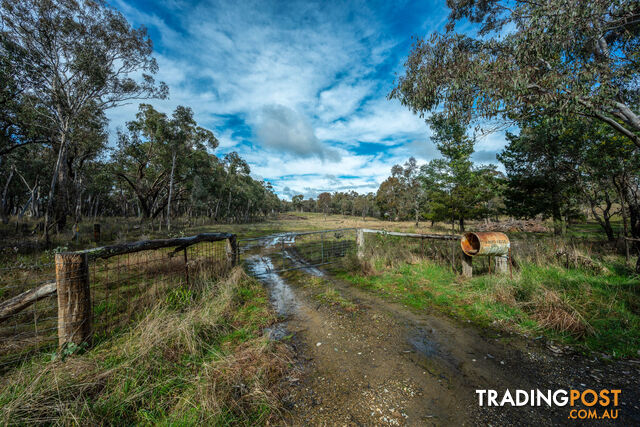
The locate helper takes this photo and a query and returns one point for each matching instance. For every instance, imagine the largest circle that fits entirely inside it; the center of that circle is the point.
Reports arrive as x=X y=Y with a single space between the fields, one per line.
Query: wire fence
x=390 y=249
x=291 y=251
x=121 y=287
x=33 y=329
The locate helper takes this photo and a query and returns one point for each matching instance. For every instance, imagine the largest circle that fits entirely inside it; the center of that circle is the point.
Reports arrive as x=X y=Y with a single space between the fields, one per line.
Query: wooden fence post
x=232 y=250
x=360 y=243
x=74 y=298
x=467 y=265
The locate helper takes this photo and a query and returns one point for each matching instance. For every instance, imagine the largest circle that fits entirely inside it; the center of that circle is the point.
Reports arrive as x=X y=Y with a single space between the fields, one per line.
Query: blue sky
x=297 y=88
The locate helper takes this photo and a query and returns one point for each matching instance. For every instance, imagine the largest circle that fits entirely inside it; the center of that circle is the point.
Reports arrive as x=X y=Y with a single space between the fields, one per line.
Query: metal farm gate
x=291 y=251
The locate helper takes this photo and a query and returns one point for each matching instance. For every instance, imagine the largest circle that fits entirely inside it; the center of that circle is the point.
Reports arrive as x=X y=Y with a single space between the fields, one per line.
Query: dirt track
x=379 y=363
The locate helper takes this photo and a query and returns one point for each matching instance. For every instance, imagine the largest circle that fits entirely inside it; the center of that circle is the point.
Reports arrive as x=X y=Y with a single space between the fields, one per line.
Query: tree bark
x=5 y=216
x=54 y=179
x=555 y=213
x=173 y=168
x=605 y=219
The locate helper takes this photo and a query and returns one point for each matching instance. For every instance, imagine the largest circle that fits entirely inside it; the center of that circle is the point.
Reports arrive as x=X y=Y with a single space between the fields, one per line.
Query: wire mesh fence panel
x=561 y=251
x=290 y=251
x=390 y=249
x=33 y=329
x=121 y=288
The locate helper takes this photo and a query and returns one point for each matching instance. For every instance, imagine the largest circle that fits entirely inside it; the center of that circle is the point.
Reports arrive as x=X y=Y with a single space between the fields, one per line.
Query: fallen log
x=18 y=303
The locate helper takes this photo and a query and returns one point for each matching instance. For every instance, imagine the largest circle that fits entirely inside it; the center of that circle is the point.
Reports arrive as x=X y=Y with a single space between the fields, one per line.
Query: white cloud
x=287 y=131
x=341 y=100
x=381 y=121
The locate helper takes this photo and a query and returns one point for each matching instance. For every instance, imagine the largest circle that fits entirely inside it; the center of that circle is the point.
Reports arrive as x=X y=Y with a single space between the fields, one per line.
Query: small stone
x=318 y=344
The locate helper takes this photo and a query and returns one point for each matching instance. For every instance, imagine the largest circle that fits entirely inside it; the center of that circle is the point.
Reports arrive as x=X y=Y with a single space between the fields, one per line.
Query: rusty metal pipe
x=485 y=244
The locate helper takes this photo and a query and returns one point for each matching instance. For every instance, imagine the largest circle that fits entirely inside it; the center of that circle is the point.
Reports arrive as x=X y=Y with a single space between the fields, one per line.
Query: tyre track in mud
x=378 y=363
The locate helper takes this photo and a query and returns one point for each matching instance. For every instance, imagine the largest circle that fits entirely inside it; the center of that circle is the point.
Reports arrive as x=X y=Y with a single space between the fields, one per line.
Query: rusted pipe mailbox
x=485 y=243
x=489 y=243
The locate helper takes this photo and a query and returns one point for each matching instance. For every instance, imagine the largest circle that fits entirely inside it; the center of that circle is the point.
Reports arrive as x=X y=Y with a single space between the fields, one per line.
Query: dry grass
x=191 y=359
x=553 y=312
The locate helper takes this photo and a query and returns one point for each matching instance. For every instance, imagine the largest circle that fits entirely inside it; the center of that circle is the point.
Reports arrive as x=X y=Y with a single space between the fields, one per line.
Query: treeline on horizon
x=63 y=64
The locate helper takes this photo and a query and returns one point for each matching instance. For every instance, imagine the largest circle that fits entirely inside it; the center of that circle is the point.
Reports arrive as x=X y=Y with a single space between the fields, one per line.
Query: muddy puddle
x=280 y=293
x=421 y=343
x=270 y=241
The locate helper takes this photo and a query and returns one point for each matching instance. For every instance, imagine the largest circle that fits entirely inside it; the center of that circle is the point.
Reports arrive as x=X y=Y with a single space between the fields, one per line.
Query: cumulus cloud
x=379 y=121
x=285 y=130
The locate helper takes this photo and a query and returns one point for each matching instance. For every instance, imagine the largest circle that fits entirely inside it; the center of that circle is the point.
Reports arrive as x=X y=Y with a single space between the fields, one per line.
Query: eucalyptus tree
x=413 y=196
x=389 y=198
x=17 y=122
x=297 y=202
x=79 y=54
x=324 y=203
x=184 y=138
x=608 y=177
x=235 y=168
x=568 y=57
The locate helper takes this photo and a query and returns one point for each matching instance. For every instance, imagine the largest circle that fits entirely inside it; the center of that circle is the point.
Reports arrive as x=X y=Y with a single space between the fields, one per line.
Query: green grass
x=197 y=357
x=598 y=312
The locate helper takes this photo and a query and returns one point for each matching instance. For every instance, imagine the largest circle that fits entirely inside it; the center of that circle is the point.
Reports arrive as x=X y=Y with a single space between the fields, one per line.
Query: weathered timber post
x=96 y=233
x=74 y=298
x=502 y=264
x=360 y=243
x=467 y=265
x=232 y=250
